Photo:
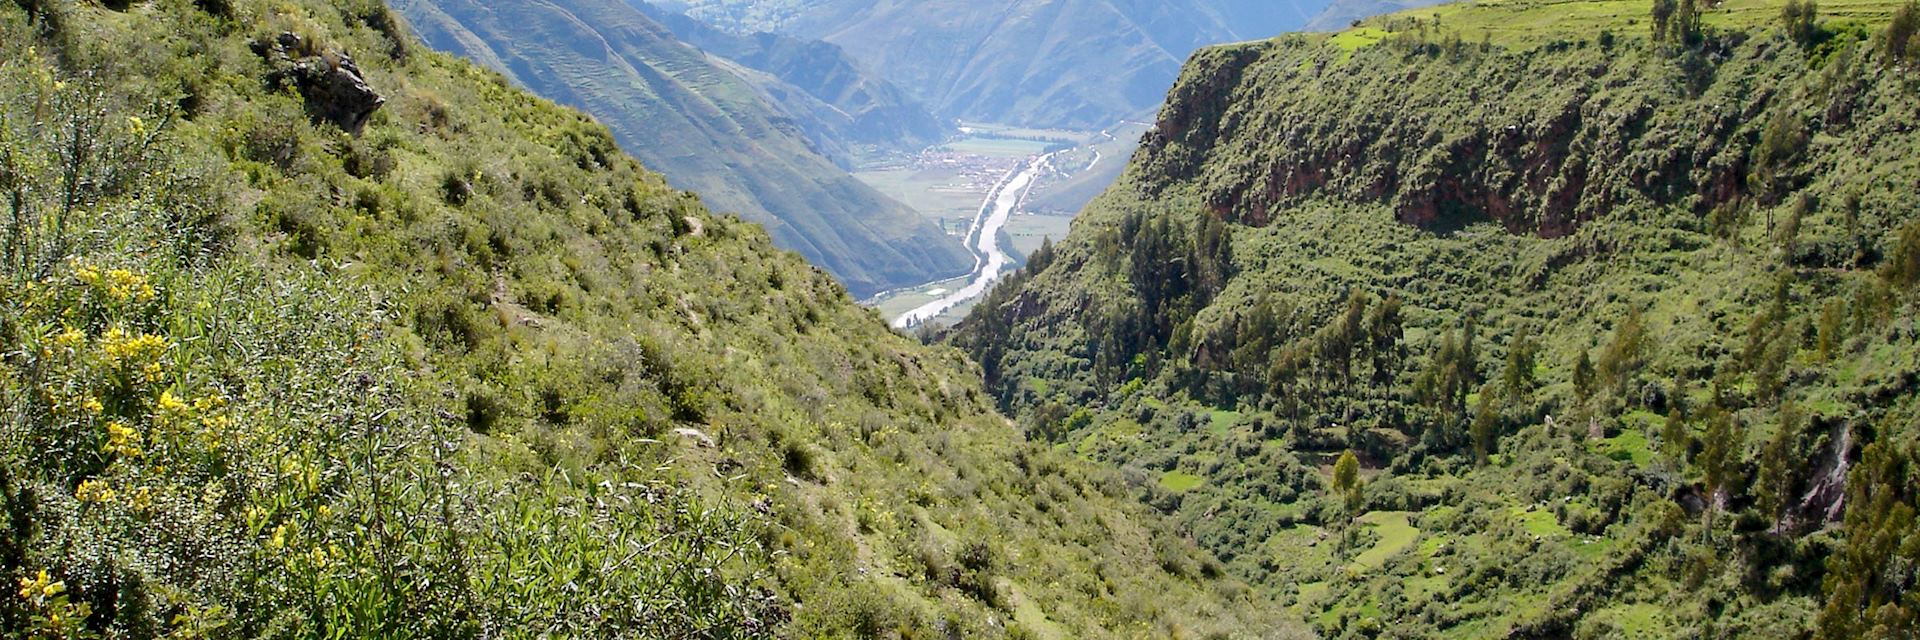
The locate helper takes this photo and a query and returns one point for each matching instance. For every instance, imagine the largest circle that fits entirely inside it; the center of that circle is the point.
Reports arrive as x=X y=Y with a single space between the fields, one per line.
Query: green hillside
x=297 y=343
x=1613 y=312
x=709 y=126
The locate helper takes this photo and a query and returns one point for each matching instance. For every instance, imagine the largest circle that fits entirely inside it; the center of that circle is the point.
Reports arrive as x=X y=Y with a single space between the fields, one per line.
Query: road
x=983 y=239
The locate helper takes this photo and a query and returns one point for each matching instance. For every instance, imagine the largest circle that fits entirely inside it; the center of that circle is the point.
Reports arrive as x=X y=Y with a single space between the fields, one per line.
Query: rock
x=333 y=86
x=696 y=435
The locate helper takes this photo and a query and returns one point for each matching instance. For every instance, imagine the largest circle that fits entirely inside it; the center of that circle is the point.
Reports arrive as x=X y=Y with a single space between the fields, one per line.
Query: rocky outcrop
x=332 y=85
x=1540 y=141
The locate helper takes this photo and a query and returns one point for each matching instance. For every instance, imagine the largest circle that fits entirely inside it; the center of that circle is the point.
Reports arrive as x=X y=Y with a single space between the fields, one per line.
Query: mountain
x=1513 y=320
x=1079 y=64
x=309 y=330
x=739 y=137
x=850 y=104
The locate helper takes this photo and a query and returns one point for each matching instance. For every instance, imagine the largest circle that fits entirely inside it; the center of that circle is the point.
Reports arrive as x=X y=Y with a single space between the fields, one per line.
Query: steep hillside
x=853 y=105
x=310 y=331
x=1514 y=318
x=711 y=127
x=1081 y=64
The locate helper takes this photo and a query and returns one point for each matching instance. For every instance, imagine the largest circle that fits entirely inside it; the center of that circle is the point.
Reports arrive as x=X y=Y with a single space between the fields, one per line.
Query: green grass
x=1630 y=446
x=1358 y=38
x=1637 y=620
x=1395 y=532
x=1180 y=481
x=1528 y=23
x=1221 y=421
x=1539 y=522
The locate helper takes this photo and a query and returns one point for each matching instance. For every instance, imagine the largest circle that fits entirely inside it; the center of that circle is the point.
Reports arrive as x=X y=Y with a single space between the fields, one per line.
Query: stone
x=334 y=88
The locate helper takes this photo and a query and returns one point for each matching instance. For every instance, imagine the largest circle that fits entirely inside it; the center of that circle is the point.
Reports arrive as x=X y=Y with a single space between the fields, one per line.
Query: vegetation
x=461 y=369
x=1628 y=360
x=749 y=143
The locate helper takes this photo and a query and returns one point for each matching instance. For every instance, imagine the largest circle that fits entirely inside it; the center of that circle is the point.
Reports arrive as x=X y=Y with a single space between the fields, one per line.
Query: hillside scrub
x=1617 y=319
x=469 y=371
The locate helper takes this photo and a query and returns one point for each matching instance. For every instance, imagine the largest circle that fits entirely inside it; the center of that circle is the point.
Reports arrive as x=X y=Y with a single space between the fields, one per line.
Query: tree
x=1832 y=329
x=1783 y=143
x=1719 y=455
x=1663 y=18
x=1346 y=481
x=1384 y=331
x=1778 y=474
x=1685 y=29
x=1798 y=20
x=1517 y=379
x=1486 y=428
x=1583 y=378
x=1903 y=269
x=1625 y=355
x=1870 y=577
x=1349 y=334
x=1899 y=40
x=1675 y=441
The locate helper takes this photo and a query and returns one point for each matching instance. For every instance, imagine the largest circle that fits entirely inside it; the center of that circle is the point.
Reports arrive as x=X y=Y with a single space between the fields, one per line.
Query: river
x=983 y=239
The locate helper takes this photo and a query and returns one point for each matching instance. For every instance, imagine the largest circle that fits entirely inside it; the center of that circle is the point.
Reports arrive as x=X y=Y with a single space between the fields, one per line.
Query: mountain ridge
x=708 y=128
x=1101 y=60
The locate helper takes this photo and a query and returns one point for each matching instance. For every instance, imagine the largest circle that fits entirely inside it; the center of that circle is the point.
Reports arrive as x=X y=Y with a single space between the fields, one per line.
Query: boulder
x=334 y=88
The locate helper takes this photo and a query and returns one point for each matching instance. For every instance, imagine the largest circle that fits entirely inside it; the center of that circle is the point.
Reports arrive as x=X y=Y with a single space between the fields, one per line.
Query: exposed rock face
x=1538 y=140
x=333 y=86
x=1825 y=500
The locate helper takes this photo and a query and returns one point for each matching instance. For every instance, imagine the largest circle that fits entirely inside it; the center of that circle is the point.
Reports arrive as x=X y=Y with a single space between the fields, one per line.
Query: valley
x=1006 y=191
x=934 y=319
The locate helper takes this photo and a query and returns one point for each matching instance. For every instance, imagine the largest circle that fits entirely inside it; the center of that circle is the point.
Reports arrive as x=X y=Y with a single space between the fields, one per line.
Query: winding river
x=983 y=239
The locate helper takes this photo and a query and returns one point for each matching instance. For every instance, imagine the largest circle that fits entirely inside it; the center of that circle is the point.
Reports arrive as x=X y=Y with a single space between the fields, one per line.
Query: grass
x=1180 y=481
x=1223 y=420
x=1529 y=23
x=1358 y=38
x=1630 y=446
x=1396 y=534
x=1637 y=620
x=1540 y=522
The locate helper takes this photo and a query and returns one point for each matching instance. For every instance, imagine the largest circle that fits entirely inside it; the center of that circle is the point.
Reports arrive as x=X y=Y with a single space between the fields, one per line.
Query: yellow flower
x=279 y=539
x=152 y=372
x=94 y=491
x=172 y=405
x=31 y=587
x=136 y=125
x=122 y=347
x=87 y=274
x=122 y=440
x=93 y=406
x=70 y=338
x=143 y=499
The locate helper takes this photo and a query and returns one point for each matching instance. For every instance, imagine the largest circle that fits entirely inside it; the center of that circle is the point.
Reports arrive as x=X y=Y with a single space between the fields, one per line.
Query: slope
x=854 y=106
x=1078 y=64
x=308 y=331
x=710 y=129
x=1606 y=316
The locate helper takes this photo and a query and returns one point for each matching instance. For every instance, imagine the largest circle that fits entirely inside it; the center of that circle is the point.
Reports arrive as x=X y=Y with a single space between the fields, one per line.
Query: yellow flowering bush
x=94 y=491
x=117 y=285
x=122 y=440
